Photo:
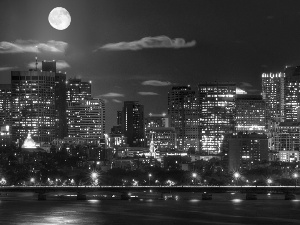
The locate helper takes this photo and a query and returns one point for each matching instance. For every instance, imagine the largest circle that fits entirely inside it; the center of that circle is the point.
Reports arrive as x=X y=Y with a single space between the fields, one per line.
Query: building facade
x=176 y=111
x=78 y=90
x=250 y=114
x=86 y=120
x=287 y=137
x=163 y=137
x=33 y=105
x=133 y=123
x=5 y=104
x=273 y=94
x=247 y=149
x=292 y=95
x=217 y=102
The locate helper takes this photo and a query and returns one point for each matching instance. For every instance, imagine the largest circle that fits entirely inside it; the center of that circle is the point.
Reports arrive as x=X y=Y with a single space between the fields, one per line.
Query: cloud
x=156 y=83
x=245 y=84
x=60 y=65
x=8 y=68
x=149 y=42
x=31 y=46
x=147 y=93
x=112 y=95
x=117 y=101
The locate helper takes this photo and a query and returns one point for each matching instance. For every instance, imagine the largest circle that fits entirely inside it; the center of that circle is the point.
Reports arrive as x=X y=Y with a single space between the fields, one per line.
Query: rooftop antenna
x=36 y=63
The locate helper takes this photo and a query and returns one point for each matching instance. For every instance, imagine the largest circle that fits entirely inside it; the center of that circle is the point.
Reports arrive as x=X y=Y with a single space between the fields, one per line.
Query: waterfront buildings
x=33 y=105
x=246 y=149
x=86 y=120
x=178 y=98
x=78 y=90
x=273 y=94
x=250 y=114
x=292 y=95
x=133 y=123
x=287 y=137
x=217 y=100
x=5 y=104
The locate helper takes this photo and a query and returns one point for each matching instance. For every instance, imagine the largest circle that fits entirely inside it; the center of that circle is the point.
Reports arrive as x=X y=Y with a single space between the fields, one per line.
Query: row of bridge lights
x=94 y=176
x=237 y=175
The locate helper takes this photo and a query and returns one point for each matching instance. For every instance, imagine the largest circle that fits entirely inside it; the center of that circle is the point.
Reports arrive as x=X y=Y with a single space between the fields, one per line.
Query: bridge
x=124 y=189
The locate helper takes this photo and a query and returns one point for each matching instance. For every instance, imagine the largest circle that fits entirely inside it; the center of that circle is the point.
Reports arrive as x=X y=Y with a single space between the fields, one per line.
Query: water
x=189 y=209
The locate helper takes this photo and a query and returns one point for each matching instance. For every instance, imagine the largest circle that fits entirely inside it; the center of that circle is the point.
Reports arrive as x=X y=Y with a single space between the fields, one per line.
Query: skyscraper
x=192 y=123
x=78 y=90
x=33 y=105
x=217 y=114
x=292 y=94
x=5 y=104
x=61 y=127
x=250 y=114
x=273 y=94
x=176 y=110
x=133 y=123
x=86 y=120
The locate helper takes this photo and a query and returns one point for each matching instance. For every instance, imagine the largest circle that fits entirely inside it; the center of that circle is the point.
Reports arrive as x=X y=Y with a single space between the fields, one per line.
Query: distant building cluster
x=45 y=105
x=218 y=120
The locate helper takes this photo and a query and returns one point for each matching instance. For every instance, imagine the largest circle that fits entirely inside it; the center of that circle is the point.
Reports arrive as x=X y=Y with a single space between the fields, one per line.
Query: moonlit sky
x=137 y=49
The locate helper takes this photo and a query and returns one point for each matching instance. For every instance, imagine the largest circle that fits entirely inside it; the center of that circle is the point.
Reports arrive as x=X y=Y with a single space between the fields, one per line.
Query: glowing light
x=59 y=18
x=29 y=142
x=236 y=175
x=237 y=200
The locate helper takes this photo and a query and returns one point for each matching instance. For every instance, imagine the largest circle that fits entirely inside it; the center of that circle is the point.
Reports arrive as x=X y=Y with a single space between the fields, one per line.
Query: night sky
x=138 y=49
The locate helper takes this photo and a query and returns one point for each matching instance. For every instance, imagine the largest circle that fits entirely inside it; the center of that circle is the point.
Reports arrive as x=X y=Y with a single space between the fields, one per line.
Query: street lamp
x=269 y=181
x=194 y=177
x=150 y=175
x=295 y=175
x=236 y=176
x=3 y=181
x=32 y=180
x=94 y=177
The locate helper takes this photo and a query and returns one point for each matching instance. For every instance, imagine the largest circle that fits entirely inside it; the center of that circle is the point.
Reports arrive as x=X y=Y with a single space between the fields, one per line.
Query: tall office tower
x=78 y=90
x=5 y=104
x=192 y=123
x=250 y=114
x=273 y=94
x=119 y=118
x=292 y=94
x=176 y=99
x=217 y=114
x=133 y=123
x=33 y=105
x=86 y=120
x=61 y=126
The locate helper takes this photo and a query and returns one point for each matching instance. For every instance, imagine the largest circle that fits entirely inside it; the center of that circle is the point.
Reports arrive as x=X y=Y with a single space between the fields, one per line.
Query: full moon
x=59 y=18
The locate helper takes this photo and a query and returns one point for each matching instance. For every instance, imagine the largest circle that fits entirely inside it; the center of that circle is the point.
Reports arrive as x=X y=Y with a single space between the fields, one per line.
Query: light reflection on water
x=237 y=200
x=221 y=209
x=93 y=200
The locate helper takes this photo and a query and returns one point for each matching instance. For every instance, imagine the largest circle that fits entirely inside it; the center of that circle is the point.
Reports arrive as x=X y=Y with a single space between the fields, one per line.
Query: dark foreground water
x=223 y=209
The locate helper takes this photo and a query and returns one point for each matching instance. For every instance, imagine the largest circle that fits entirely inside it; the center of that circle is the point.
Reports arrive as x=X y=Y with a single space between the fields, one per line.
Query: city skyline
x=136 y=50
